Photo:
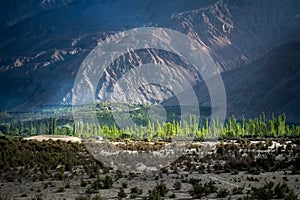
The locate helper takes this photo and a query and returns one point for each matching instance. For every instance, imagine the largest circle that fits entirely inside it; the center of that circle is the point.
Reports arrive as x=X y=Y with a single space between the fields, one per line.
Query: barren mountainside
x=270 y=85
x=43 y=43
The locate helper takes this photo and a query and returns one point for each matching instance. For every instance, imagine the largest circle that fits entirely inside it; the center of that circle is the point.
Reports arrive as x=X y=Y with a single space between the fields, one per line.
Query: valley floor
x=238 y=169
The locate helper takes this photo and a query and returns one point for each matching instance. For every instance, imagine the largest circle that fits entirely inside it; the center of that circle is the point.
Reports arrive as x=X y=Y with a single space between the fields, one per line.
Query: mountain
x=43 y=43
x=239 y=32
x=41 y=54
x=14 y=12
x=271 y=85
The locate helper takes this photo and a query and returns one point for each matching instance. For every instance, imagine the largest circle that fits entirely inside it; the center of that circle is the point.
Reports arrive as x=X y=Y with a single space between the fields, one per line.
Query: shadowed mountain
x=270 y=84
x=43 y=43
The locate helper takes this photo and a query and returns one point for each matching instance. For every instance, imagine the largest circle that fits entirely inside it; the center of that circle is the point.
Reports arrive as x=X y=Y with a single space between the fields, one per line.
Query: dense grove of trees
x=16 y=127
x=193 y=128
x=258 y=127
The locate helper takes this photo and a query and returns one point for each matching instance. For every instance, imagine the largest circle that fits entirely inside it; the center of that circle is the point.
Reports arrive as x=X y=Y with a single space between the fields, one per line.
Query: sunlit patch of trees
x=192 y=128
x=197 y=129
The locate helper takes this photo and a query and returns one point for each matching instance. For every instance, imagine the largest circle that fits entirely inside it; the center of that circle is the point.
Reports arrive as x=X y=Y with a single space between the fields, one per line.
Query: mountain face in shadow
x=43 y=44
x=271 y=85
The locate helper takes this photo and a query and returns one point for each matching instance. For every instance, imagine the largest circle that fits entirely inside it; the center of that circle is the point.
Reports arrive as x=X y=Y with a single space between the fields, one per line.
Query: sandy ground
x=54 y=137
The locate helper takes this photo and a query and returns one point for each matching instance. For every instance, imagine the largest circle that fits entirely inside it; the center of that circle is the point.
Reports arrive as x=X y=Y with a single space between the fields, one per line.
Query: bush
x=177 y=185
x=158 y=192
x=59 y=176
x=222 y=193
x=83 y=183
x=172 y=196
x=82 y=198
x=136 y=190
x=199 y=191
x=97 y=184
x=124 y=185
x=162 y=189
x=281 y=190
x=107 y=182
x=265 y=192
x=268 y=191
x=122 y=193
x=61 y=189
x=91 y=191
x=98 y=197
x=238 y=190
x=154 y=195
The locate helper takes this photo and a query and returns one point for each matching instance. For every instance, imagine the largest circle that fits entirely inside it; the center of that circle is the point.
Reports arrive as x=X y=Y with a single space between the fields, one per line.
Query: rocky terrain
x=236 y=169
x=42 y=49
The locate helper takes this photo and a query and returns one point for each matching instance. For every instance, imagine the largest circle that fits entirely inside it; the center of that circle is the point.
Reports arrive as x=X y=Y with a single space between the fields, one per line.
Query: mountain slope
x=41 y=49
x=44 y=52
x=270 y=84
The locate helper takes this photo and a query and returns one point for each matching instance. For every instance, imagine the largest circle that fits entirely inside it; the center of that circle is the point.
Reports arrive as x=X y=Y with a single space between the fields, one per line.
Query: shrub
x=107 y=182
x=154 y=195
x=281 y=190
x=158 y=192
x=222 y=193
x=136 y=190
x=162 y=189
x=237 y=190
x=132 y=175
x=265 y=192
x=97 y=184
x=83 y=183
x=118 y=174
x=268 y=191
x=172 y=196
x=177 y=185
x=198 y=191
x=59 y=176
x=98 y=197
x=124 y=185
x=82 y=198
x=61 y=189
x=91 y=191
x=122 y=193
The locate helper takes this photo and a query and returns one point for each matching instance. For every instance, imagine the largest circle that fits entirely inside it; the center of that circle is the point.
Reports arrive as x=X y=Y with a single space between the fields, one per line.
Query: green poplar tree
x=53 y=126
x=50 y=128
x=74 y=129
x=243 y=126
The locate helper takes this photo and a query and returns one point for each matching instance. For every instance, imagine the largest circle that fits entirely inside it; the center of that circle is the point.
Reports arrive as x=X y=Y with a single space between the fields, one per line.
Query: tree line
x=17 y=127
x=192 y=128
x=198 y=129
